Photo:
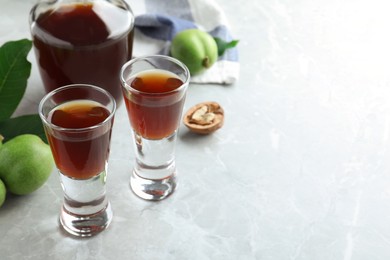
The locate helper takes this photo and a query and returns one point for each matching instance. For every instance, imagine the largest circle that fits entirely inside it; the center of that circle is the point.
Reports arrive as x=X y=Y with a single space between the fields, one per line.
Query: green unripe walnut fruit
x=3 y=192
x=25 y=164
x=196 y=49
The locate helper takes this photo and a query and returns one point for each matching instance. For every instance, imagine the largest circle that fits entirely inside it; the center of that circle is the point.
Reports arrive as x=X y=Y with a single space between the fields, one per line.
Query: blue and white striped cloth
x=157 y=22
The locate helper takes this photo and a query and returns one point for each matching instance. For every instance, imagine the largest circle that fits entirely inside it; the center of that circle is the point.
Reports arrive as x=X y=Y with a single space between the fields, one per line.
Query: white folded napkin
x=157 y=22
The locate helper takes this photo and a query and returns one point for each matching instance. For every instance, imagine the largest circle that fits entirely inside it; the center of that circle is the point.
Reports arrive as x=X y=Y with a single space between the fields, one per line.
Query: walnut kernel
x=204 y=118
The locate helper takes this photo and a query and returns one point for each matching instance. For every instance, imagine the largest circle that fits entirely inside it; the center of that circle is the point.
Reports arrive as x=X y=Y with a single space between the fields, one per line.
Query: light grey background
x=300 y=170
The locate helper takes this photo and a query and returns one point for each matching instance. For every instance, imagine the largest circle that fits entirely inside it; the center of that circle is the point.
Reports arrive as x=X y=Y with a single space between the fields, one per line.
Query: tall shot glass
x=78 y=120
x=154 y=89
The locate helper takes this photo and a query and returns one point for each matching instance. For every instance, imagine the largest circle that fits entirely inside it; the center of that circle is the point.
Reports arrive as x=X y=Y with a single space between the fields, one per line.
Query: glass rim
x=82 y=129
x=165 y=57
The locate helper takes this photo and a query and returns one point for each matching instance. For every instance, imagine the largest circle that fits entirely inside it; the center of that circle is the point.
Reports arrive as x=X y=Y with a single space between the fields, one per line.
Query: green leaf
x=224 y=45
x=27 y=124
x=14 y=72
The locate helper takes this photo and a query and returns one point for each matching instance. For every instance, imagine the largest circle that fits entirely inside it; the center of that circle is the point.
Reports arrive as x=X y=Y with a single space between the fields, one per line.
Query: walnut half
x=204 y=118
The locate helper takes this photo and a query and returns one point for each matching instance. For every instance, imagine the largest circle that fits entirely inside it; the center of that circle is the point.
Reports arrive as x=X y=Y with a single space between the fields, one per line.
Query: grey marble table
x=300 y=170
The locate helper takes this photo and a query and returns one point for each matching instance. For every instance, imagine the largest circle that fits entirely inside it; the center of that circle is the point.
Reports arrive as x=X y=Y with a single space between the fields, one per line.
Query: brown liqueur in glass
x=154 y=109
x=83 y=43
x=79 y=154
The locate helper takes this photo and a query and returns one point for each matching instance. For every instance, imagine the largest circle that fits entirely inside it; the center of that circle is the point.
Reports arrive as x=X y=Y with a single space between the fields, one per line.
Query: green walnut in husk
x=198 y=50
x=25 y=164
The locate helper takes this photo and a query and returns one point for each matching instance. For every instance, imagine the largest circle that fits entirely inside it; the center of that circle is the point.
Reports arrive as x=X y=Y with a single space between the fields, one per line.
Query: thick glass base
x=156 y=189
x=86 y=210
x=85 y=225
x=154 y=173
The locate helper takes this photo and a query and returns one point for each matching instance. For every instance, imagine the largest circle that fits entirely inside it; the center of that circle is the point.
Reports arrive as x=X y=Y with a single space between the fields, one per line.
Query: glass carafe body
x=82 y=41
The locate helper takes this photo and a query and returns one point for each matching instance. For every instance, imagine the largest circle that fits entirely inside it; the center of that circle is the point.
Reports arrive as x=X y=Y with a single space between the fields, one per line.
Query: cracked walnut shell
x=204 y=118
